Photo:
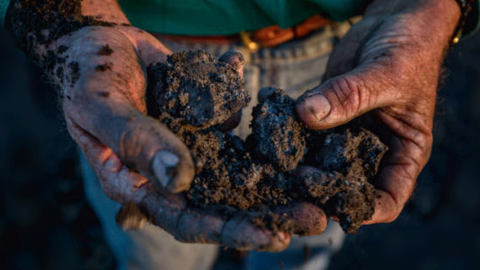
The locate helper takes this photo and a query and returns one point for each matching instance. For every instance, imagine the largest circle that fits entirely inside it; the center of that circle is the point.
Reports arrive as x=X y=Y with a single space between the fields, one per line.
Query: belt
x=269 y=36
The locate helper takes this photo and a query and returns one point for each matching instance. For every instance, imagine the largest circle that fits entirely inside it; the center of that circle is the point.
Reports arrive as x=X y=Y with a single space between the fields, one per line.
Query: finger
x=170 y=212
x=149 y=48
x=387 y=209
x=117 y=181
x=343 y=98
x=409 y=152
x=395 y=184
x=95 y=152
x=113 y=112
x=307 y=218
x=237 y=232
x=234 y=58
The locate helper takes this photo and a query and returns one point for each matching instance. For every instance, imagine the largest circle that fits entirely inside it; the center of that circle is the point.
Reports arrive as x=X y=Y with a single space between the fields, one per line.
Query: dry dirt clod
x=277 y=136
x=197 y=90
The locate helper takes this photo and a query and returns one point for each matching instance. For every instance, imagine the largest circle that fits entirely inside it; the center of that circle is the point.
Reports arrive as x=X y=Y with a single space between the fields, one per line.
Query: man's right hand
x=106 y=115
x=103 y=98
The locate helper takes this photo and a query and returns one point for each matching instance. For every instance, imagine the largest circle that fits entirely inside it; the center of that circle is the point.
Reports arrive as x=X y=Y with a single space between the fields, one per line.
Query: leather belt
x=269 y=36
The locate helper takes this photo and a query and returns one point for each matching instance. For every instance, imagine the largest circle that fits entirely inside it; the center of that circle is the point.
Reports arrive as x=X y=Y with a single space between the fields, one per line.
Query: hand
x=106 y=115
x=387 y=67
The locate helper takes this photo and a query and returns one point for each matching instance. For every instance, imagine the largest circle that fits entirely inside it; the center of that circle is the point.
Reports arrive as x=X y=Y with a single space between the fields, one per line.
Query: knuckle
x=350 y=92
x=129 y=144
x=127 y=137
x=424 y=144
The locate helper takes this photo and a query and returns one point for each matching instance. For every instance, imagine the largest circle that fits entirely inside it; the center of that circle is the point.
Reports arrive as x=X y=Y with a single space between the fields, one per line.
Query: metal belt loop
x=251 y=45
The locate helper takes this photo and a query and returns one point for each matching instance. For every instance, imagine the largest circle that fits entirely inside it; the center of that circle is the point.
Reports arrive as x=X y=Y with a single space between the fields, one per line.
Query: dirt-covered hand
x=107 y=101
x=125 y=185
x=387 y=67
x=98 y=61
x=170 y=211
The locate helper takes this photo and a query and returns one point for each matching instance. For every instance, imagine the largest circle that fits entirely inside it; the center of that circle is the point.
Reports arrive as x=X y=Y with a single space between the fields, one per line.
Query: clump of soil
x=277 y=136
x=197 y=90
x=194 y=95
x=348 y=159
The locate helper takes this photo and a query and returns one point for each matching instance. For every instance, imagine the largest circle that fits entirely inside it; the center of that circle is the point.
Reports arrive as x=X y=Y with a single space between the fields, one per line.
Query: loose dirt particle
x=62 y=48
x=103 y=67
x=105 y=50
x=74 y=72
x=104 y=94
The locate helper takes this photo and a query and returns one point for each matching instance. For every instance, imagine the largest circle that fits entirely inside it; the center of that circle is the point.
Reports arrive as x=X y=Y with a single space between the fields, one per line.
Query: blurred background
x=46 y=222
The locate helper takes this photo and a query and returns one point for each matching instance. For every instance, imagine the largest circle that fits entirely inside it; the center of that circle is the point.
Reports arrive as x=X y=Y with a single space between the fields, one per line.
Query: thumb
x=110 y=105
x=345 y=97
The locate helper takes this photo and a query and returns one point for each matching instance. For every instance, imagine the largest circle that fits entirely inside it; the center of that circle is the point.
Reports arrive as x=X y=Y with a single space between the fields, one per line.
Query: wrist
x=444 y=17
x=468 y=19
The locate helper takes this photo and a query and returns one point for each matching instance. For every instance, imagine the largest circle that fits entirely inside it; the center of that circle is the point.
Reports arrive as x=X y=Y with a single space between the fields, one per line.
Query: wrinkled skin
x=138 y=161
x=387 y=68
x=387 y=65
x=142 y=142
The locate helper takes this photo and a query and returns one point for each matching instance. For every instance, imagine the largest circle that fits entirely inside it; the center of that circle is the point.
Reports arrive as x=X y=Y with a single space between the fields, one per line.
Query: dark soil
x=103 y=67
x=277 y=137
x=193 y=94
x=105 y=50
x=348 y=159
x=33 y=22
x=197 y=90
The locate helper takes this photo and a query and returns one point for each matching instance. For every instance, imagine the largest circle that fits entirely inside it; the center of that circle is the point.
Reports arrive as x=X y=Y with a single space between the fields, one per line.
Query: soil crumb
x=347 y=160
x=197 y=90
x=103 y=67
x=277 y=137
x=74 y=72
x=105 y=50
x=193 y=95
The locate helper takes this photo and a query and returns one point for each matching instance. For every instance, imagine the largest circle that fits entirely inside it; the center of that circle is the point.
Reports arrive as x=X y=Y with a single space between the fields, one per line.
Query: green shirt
x=223 y=17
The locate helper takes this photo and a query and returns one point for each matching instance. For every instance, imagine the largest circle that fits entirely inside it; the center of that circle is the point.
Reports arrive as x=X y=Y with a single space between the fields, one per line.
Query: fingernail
x=283 y=237
x=233 y=58
x=318 y=105
x=164 y=165
x=280 y=242
x=112 y=165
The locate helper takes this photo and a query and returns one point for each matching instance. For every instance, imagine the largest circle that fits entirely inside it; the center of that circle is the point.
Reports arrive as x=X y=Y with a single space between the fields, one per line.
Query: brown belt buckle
x=272 y=36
